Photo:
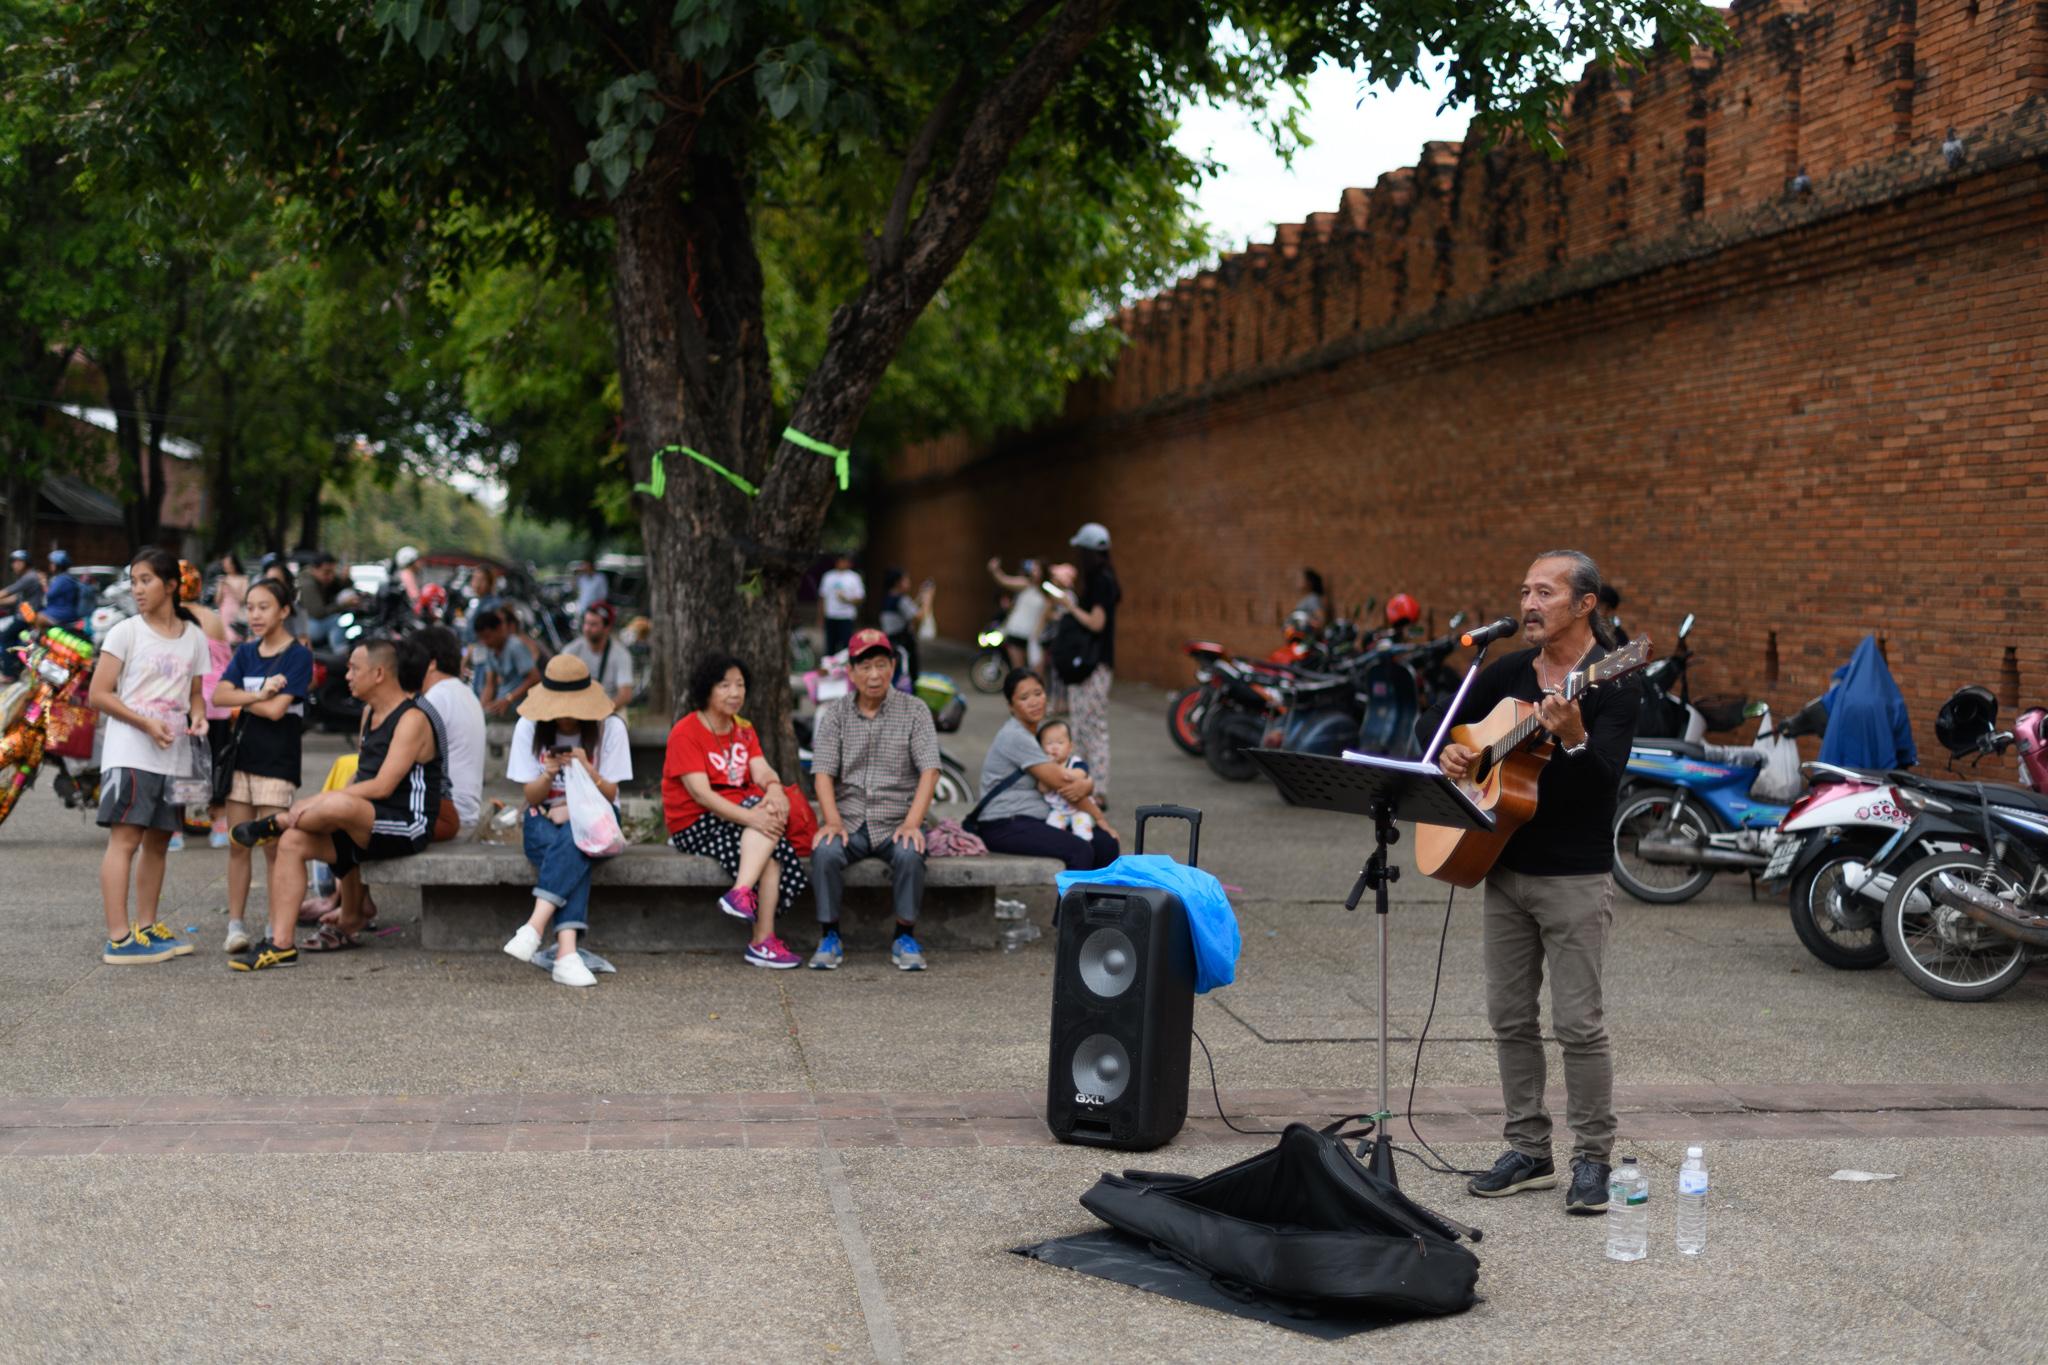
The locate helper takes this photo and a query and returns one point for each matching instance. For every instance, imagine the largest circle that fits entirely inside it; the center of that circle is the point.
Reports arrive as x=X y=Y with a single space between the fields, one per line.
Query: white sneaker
x=570 y=971
x=523 y=944
x=238 y=938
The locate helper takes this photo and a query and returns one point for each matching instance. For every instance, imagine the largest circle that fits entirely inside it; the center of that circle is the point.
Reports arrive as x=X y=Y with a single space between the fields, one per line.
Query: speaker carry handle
x=1193 y=817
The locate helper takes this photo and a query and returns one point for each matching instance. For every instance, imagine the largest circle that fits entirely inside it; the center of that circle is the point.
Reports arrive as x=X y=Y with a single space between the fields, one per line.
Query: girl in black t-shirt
x=269 y=678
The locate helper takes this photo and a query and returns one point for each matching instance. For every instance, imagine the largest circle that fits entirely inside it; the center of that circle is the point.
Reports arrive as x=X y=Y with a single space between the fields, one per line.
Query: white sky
x=1353 y=145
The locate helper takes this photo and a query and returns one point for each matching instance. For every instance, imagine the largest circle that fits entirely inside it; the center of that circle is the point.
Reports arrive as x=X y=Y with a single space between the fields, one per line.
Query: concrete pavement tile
x=2032 y=1122
x=99 y=1109
x=459 y=1137
x=1012 y=1133
x=697 y=1133
x=626 y=1135
x=781 y=1136
x=155 y=1137
x=631 y=1107
x=858 y=1132
x=556 y=1108
x=61 y=1142
x=956 y=1136
x=996 y=1104
x=307 y=1137
x=549 y=1137
x=386 y=1138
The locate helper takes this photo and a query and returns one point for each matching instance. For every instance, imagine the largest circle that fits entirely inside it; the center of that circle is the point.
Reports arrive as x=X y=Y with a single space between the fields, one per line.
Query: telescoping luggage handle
x=1193 y=817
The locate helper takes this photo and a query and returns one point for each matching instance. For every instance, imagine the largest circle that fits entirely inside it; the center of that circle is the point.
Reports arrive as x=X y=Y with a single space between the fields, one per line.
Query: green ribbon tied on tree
x=658 y=485
x=839 y=457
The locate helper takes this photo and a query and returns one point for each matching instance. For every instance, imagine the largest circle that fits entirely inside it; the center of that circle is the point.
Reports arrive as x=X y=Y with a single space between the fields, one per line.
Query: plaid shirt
x=875 y=761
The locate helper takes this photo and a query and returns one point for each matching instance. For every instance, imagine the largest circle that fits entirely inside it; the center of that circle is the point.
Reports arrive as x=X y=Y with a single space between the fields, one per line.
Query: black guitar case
x=1305 y=1222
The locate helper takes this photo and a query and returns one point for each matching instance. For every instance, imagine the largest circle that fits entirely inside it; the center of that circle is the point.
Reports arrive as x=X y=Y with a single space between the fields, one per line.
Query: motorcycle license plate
x=1781 y=860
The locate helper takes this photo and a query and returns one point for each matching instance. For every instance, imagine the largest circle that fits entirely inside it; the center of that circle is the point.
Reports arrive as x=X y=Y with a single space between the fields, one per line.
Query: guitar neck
x=1528 y=728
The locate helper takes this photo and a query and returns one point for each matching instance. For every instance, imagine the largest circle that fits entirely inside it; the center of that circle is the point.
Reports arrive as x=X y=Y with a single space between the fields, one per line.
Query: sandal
x=330 y=940
x=331 y=915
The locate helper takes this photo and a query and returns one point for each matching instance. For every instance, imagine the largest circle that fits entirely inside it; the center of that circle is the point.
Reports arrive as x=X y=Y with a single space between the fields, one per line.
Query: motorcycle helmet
x=190 y=583
x=433 y=600
x=1299 y=626
x=1403 y=609
x=406 y=557
x=60 y=559
x=1965 y=718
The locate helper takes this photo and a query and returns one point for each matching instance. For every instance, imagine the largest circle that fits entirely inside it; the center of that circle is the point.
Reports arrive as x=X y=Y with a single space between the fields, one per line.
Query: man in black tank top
x=387 y=812
x=1550 y=896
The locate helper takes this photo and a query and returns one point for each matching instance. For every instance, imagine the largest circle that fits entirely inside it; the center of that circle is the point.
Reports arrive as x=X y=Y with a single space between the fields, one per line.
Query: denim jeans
x=562 y=872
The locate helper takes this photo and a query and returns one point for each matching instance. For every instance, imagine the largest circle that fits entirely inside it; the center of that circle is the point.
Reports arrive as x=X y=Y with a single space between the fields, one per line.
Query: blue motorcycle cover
x=1867 y=724
x=1212 y=924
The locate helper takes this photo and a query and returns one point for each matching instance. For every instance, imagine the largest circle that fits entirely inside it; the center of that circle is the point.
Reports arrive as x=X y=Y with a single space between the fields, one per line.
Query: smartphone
x=1054 y=590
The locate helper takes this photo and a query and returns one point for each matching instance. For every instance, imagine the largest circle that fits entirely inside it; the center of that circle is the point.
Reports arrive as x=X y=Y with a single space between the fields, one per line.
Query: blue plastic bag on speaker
x=1212 y=924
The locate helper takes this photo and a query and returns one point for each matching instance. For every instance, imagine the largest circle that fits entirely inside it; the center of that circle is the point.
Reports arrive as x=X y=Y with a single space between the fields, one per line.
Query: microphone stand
x=1379 y=874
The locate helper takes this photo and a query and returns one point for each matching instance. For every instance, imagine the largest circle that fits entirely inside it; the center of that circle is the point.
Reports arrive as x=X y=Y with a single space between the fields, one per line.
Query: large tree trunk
x=18 y=529
x=137 y=508
x=693 y=368
x=227 y=517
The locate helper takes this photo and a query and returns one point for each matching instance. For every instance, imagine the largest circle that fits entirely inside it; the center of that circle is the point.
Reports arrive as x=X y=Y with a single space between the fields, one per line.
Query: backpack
x=1075 y=650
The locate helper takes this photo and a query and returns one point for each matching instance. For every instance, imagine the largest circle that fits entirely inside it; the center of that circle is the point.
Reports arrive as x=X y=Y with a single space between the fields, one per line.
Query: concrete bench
x=652 y=899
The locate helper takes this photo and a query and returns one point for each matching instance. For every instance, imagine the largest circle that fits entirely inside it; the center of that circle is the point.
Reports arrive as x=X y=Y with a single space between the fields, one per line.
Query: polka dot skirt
x=711 y=837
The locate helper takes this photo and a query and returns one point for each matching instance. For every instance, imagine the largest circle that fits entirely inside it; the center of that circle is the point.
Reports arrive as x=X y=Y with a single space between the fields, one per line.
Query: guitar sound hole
x=1481 y=766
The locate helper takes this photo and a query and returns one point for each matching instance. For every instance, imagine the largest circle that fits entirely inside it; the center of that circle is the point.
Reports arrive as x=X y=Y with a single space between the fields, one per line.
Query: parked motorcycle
x=1831 y=839
x=992 y=664
x=1669 y=711
x=1965 y=924
x=1686 y=810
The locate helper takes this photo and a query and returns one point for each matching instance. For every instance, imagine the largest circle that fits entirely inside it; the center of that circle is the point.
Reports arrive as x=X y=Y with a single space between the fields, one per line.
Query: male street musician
x=1550 y=896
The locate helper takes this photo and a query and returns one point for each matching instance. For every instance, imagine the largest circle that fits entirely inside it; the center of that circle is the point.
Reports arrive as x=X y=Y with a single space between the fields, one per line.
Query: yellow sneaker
x=157 y=933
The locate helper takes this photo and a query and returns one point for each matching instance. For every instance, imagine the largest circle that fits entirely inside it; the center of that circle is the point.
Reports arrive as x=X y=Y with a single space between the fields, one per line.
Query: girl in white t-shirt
x=147 y=684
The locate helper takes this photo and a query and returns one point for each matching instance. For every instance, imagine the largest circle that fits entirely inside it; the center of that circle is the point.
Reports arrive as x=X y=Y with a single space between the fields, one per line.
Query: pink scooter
x=1828 y=843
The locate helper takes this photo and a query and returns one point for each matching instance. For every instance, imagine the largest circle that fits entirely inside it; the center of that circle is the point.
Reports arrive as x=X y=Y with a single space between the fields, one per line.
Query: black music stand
x=1387 y=789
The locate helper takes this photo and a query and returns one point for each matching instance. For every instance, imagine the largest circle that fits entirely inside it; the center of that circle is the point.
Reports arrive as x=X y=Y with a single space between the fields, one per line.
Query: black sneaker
x=264 y=956
x=1588 y=1193
x=1512 y=1174
x=256 y=833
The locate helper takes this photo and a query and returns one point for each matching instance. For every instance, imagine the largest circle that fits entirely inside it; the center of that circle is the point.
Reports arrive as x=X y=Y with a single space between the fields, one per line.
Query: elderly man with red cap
x=875 y=760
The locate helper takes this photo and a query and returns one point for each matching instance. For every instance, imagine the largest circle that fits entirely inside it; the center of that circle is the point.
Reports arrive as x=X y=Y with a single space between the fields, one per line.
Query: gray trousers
x=1564 y=921
x=828 y=873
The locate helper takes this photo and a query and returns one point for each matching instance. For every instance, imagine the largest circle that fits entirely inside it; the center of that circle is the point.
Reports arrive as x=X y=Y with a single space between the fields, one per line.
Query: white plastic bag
x=1780 y=780
x=592 y=821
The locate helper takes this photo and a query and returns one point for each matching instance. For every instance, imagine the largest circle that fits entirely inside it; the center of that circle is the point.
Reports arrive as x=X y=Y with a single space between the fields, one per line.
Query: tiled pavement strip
x=161 y=1124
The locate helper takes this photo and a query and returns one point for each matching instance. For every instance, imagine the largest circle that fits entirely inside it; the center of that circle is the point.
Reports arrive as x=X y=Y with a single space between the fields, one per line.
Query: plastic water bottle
x=1628 y=1212
x=1007 y=908
x=1019 y=934
x=1692 y=1203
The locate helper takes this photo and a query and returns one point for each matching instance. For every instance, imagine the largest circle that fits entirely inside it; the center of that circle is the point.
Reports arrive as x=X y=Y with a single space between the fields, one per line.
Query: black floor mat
x=1111 y=1255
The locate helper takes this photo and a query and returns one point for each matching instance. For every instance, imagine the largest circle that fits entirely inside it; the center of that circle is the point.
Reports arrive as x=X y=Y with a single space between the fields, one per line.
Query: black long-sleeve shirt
x=1572 y=832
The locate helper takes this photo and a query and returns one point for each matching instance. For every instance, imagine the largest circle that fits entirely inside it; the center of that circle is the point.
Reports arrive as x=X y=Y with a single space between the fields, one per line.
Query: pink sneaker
x=771 y=952
x=739 y=903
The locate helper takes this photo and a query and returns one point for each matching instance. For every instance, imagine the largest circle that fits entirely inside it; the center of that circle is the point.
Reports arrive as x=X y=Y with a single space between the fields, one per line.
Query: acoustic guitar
x=1512 y=749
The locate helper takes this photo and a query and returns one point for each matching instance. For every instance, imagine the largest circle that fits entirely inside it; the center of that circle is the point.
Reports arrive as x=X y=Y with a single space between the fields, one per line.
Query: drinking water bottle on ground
x=1628 y=1212
x=1692 y=1203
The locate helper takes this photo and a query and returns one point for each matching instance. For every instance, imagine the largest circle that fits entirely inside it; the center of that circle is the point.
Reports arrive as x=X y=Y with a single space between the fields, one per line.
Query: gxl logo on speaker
x=1083 y=1097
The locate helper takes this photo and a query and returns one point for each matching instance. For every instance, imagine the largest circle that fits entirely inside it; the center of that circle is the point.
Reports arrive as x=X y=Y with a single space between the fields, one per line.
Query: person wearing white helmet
x=1082 y=652
x=408 y=577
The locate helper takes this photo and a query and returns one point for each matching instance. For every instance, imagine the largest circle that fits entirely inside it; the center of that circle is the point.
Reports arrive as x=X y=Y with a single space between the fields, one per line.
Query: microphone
x=1486 y=635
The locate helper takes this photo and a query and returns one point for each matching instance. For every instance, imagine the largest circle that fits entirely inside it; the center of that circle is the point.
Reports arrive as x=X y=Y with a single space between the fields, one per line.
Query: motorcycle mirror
x=1685 y=626
x=1457 y=622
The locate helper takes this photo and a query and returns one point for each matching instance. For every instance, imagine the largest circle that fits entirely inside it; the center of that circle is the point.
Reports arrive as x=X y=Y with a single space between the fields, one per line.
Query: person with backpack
x=1082 y=653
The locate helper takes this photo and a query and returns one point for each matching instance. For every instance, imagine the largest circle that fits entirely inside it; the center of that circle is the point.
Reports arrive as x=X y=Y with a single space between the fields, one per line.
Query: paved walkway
x=401 y=1154
x=524 y=1122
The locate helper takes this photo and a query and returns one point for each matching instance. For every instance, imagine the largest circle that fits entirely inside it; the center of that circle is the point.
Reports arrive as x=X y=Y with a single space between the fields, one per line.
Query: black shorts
x=349 y=855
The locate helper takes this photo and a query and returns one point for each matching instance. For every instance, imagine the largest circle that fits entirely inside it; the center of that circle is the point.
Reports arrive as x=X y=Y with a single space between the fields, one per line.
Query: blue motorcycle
x=1686 y=811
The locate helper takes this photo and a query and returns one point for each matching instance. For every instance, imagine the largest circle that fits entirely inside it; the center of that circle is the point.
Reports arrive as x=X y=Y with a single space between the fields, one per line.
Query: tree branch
x=866 y=333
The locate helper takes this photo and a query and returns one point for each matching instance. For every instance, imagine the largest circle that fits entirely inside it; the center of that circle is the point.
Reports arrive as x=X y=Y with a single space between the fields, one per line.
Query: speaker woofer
x=1101 y=1067
x=1107 y=962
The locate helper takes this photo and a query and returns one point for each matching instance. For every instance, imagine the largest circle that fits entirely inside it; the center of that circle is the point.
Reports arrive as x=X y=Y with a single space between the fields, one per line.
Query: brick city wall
x=1801 y=409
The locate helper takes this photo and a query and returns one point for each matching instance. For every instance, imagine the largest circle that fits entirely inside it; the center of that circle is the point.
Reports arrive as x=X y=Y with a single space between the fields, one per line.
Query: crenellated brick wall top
x=1817 y=109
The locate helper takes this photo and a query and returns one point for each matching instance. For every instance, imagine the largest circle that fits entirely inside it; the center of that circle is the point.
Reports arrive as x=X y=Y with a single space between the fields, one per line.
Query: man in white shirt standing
x=610 y=662
x=840 y=593
x=592 y=587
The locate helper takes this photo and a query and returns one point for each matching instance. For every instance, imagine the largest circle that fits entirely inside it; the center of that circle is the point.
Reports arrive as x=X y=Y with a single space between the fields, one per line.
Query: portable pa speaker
x=1123 y=1005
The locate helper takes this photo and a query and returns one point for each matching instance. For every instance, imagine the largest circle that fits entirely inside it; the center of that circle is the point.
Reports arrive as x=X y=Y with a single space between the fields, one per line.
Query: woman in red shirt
x=722 y=800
